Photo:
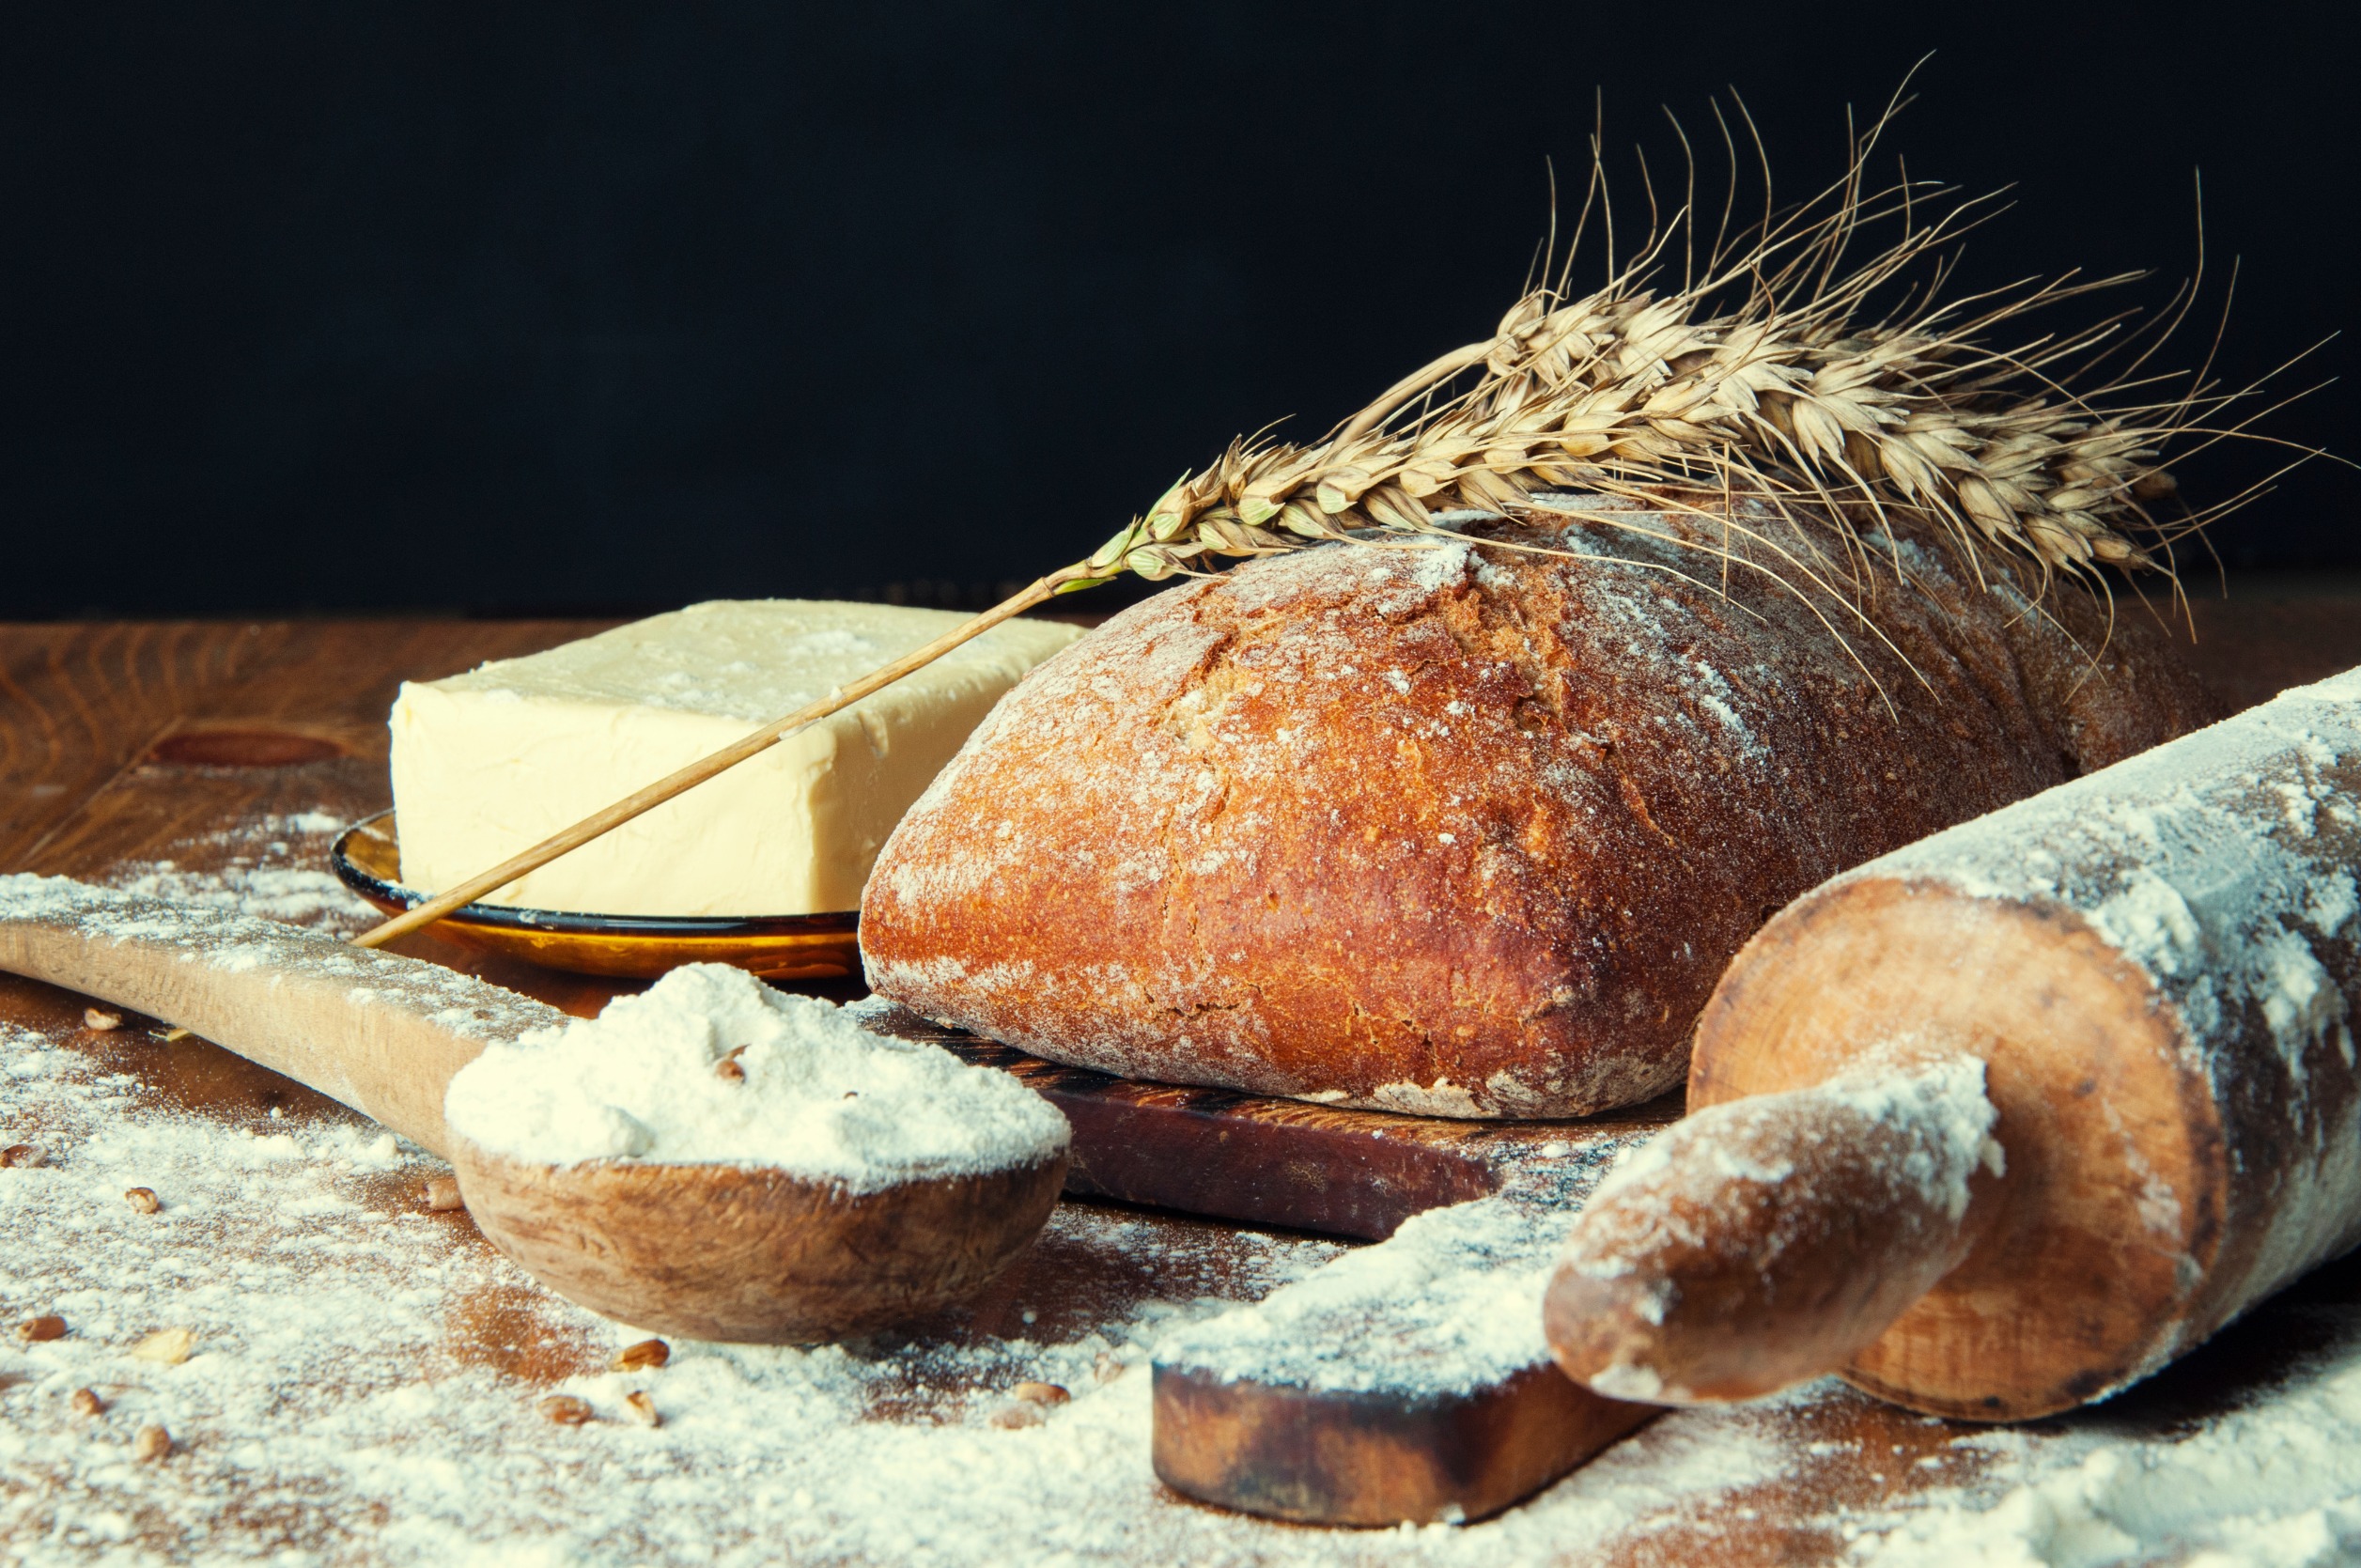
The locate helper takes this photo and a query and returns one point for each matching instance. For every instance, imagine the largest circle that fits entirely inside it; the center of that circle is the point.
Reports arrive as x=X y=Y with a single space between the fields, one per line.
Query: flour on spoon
x=711 y=1066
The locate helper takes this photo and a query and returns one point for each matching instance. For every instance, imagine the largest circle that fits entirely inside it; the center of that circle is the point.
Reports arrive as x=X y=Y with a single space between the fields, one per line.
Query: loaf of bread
x=1467 y=830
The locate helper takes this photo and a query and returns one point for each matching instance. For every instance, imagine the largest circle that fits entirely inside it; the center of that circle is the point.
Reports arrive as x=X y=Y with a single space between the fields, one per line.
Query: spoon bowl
x=749 y=1253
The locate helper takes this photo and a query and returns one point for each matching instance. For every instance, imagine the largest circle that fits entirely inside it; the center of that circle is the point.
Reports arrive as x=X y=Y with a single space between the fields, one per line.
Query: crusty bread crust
x=1465 y=831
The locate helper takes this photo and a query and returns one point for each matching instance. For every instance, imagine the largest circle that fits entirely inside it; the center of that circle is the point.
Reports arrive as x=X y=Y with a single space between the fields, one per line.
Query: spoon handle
x=381 y=1032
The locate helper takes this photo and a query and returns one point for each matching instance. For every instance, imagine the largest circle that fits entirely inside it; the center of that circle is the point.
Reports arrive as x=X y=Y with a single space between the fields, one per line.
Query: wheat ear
x=1759 y=376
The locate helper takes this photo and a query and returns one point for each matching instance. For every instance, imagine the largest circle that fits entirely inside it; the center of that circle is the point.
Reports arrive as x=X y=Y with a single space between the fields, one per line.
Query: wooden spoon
x=723 y=1251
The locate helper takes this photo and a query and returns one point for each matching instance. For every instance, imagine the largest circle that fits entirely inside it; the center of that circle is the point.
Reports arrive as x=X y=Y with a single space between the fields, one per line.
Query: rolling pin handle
x=1768 y=1240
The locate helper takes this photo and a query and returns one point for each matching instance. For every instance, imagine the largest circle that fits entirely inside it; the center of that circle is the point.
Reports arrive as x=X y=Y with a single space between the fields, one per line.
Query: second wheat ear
x=1772 y=372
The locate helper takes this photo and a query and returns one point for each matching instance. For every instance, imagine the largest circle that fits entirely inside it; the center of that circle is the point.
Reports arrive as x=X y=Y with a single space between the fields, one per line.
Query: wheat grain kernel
x=166 y=1347
x=643 y=1408
x=642 y=1356
x=142 y=1198
x=86 y=1401
x=442 y=1195
x=566 y=1410
x=152 y=1443
x=1040 y=1393
x=49 y=1326
x=23 y=1155
x=102 y=1019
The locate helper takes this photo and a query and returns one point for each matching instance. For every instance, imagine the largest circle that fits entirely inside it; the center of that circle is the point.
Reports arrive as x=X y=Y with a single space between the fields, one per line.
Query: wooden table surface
x=131 y=745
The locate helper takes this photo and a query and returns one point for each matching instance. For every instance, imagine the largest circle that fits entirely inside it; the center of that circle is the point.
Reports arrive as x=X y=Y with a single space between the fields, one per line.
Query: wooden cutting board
x=1357 y=1173
x=1391 y=1419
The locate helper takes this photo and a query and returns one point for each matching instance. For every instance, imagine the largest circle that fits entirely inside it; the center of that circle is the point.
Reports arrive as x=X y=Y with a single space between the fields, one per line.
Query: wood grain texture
x=378 y=1031
x=1848 y=1453
x=2273 y=630
x=750 y=1253
x=1357 y=1173
x=318 y=690
x=78 y=703
x=1377 y=1458
x=1355 y=1397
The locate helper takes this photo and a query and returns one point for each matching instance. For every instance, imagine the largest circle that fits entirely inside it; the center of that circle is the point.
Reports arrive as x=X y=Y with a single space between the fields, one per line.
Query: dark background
x=508 y=308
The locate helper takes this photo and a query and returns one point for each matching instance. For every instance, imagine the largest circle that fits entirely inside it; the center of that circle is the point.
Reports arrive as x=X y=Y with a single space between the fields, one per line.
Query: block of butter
x=490 y=762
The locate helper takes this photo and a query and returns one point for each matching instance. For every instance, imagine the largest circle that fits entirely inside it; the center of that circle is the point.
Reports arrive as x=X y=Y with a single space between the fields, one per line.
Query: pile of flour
x=711 y=1066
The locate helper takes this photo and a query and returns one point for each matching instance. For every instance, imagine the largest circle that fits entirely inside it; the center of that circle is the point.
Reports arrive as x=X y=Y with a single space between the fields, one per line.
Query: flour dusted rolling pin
x=904 y=1203
x=2002 y=1122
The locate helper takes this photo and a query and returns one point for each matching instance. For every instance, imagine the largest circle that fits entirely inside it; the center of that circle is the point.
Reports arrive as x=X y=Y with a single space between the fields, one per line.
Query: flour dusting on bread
x=1461 y=828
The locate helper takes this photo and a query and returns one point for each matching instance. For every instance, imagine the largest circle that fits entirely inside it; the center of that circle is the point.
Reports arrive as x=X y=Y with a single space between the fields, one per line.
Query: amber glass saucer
x=366 y=858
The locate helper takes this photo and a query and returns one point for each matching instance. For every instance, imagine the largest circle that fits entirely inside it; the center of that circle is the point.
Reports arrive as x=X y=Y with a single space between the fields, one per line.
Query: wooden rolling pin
x=2005 y=1121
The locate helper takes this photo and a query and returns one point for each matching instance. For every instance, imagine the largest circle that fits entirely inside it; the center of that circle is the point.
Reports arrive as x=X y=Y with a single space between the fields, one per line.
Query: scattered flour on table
x=275 y=869
x=220 y=937
x=364 y=1382
x=2276 y=1485
x=1457 y=1289
x=1454 y=1296
x=364 y=1378
x=812 y=1092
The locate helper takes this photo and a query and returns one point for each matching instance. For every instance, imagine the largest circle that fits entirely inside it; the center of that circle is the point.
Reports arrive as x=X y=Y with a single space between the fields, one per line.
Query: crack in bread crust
x=1462 y=831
